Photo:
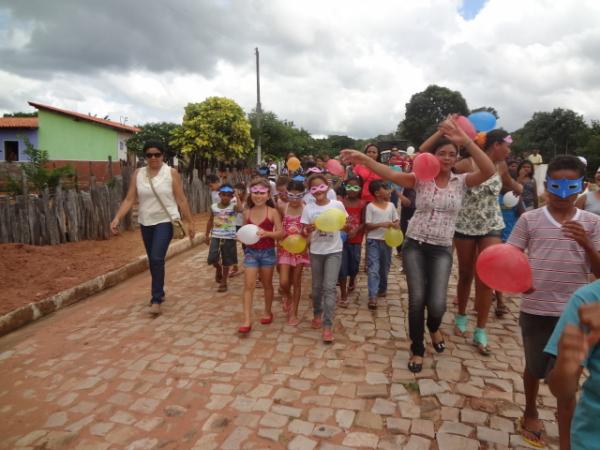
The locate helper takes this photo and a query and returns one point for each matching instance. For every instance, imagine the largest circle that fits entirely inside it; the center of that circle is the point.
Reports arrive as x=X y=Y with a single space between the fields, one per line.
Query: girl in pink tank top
x=291 y=264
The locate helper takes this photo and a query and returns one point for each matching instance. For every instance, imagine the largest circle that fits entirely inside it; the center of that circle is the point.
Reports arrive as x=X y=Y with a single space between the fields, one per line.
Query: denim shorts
x=259 y=257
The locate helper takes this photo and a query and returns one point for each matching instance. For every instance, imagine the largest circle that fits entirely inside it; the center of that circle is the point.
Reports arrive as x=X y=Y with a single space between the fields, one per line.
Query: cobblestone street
x=103 y=374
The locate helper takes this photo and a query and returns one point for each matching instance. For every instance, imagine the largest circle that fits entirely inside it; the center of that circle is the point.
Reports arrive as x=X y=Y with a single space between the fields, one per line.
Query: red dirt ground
x=30 y=273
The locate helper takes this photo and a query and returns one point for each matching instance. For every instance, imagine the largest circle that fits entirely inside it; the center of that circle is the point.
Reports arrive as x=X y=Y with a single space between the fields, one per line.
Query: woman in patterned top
x=478 y=226
x=427 y=251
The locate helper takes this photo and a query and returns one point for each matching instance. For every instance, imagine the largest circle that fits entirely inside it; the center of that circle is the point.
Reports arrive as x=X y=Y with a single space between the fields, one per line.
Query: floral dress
x=292 y=225
x=480 y=213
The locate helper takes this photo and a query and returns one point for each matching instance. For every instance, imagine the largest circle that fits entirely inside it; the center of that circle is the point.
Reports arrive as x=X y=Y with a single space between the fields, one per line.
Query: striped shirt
x=558 y=263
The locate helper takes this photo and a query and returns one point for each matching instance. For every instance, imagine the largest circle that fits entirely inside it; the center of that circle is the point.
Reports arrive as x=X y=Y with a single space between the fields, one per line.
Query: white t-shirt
x=321 y=242
x=376 y=215
x=309 y=198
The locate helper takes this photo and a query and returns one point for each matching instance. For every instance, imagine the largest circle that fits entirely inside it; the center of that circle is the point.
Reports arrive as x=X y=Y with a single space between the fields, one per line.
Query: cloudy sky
x=331 y=66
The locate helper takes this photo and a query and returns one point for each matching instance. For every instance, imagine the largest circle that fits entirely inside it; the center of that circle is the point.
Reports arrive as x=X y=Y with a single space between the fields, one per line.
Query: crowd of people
x=462 y=209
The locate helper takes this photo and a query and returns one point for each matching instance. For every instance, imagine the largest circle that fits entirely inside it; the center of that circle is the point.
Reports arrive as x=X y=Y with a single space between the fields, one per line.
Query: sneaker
x=155 y=309
x=328 y=335
x=316 y=322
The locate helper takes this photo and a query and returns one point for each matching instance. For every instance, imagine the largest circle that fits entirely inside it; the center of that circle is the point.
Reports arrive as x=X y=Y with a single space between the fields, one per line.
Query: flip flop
x=533 y=438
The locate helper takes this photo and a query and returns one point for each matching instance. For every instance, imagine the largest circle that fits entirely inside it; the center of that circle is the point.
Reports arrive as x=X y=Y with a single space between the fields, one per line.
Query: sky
x=330 y=66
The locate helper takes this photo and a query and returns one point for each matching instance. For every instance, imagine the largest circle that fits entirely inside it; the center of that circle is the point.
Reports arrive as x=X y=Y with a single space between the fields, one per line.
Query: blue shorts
x=259 y=257
x=350 y=260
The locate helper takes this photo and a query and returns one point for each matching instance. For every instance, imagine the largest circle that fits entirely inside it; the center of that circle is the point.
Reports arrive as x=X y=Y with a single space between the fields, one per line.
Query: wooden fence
x=71 y=215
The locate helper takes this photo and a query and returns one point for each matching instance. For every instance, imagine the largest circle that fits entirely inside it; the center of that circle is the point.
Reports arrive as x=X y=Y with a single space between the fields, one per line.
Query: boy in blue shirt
x=575 y=344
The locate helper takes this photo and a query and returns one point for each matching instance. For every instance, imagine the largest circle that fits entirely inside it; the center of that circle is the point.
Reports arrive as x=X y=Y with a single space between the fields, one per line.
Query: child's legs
x=354 y=262
x=344 y=270
x=266 y=278
x=535 y=330
x=439 y=265
x=317 y=265
x=331 y=269
x=373 y=262
x=284 y=279
x=385 y=255
x=483 y=293
x=250 y=274
x=297 y=285
x=228 y=257
x=465 y=251
x=415 y=264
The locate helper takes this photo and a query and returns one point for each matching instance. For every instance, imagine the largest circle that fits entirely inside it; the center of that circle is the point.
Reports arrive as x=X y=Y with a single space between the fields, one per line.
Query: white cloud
x=343 y=67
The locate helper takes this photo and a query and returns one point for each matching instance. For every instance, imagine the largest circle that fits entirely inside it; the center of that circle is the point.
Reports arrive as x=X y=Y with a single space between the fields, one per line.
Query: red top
x=355 y=219
x=367 y=176
x=265 y=242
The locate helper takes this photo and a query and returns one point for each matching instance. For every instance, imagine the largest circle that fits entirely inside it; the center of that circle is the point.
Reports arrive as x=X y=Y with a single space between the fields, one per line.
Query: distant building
x=13 y=131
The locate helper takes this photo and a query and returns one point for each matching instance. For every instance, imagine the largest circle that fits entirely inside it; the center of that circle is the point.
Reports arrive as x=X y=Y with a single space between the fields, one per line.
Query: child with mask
x=562 y=244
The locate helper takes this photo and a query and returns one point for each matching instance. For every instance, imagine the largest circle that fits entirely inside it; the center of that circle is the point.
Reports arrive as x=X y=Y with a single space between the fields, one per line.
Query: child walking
x=259 y=258
x=325 y=255
x=220 y=232
x=562 y=244
x=355 y=207
x=380 y=215
x=291 y=264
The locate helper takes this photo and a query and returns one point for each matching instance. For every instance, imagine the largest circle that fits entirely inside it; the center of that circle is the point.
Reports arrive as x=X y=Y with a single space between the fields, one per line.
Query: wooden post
x=110 y=172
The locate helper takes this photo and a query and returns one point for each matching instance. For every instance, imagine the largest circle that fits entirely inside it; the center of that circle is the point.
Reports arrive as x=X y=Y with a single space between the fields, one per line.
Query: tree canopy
x=161 y=131
x=215 y=129
x=426 y=109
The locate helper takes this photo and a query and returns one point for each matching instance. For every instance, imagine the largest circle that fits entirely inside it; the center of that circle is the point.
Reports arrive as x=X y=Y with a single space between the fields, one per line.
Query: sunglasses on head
x=259 y=190
x=353 y=188
x=319 y=188
x=298 y=196
x=152 y=155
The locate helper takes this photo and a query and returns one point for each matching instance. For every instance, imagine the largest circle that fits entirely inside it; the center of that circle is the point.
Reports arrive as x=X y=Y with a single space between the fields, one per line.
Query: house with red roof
x=69 y=137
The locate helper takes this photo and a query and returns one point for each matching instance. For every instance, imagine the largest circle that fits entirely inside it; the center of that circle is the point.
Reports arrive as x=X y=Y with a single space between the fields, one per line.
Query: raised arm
x=509 y=182
x=126 y=204
x=402 y=179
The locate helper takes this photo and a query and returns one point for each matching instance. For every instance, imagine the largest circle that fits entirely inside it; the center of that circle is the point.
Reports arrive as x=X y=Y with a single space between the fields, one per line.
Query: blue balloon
x=483 y=121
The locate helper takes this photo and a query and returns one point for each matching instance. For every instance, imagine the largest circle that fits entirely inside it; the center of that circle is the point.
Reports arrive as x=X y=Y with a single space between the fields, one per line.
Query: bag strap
x=157 y=197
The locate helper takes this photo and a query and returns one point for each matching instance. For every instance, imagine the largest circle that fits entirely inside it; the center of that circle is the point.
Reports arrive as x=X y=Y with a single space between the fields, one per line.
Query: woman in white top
x=427 y=251
x=155 y=224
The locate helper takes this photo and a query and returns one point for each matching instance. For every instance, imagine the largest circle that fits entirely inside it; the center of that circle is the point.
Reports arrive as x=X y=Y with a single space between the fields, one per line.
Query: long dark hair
x=261 y=182
x=526 y=162
x=370 y=144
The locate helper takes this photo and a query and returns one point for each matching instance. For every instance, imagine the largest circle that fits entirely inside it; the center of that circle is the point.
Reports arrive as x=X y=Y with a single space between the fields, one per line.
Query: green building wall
x=70 y=139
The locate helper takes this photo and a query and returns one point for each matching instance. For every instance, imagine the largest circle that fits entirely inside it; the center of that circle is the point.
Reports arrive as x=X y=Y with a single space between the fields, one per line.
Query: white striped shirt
x=559 y=264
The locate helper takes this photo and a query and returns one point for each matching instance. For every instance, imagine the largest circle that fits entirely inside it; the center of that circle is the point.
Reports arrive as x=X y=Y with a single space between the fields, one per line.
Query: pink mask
x=319 y=188
x=259 y=190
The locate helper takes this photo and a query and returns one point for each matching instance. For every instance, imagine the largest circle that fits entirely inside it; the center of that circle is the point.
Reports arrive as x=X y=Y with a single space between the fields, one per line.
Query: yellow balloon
x=294 y=243
x=331 y=220
x=393 y=237
x=293 y=164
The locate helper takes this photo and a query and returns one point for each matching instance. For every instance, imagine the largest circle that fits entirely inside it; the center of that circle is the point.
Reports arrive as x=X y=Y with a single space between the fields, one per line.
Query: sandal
x=266 y=320
x=222 y=288
x=440 y=346
x=293 y=321
x=415 y=367
x=460 y=324
x=372 y=304
x=501 y=310
x=480 y=340
x=531 y=437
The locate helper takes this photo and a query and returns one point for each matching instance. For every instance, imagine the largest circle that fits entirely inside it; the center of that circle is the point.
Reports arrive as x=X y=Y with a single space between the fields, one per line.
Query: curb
x=34 y=311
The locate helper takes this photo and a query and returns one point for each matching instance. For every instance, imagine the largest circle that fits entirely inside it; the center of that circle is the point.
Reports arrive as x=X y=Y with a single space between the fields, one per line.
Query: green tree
x=21 y=114
x=561 y=131
x=591 y=150
x=216 y=129
x=426 y=109
x=161 y=131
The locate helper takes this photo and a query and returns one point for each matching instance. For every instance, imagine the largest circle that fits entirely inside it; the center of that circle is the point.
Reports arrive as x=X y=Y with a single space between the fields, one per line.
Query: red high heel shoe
x=245 y=329
x=267 y=320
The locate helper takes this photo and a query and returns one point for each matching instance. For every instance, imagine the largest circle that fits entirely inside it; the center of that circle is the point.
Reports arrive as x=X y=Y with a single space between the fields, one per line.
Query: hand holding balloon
x=426 y=167
x=249 y=234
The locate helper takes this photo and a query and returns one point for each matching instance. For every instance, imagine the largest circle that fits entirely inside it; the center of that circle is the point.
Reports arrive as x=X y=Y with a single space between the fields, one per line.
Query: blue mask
x=564 y=188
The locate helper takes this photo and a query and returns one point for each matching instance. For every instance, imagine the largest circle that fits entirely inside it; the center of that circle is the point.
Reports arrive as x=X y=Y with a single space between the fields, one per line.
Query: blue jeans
x=427 y=269
x=379 y=258
x=156 y=240
x=324 y=271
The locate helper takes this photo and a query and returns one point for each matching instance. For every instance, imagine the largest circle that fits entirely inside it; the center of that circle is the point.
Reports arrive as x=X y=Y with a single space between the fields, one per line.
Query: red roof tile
x=76 y=115
x=18 y=122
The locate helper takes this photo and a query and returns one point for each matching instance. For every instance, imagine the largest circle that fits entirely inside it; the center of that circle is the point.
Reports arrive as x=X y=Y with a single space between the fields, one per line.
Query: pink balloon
x=505 y=268
x=334 y=167
x=426 y=166
x=466 y=125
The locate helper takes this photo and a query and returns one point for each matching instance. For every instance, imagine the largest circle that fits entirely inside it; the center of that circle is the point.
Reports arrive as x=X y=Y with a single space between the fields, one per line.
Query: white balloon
x=410 y=150
x=583 y=160
x=247 y=234
x=510 y=200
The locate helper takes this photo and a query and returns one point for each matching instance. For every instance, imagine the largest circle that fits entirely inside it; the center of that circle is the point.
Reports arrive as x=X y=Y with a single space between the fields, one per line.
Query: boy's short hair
x=375 y=185
x=212 y=178
x=566 y=162
x=283 y=180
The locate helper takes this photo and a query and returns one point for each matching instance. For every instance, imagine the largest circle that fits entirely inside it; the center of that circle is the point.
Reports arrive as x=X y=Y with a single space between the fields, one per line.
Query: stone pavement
x=104 y=375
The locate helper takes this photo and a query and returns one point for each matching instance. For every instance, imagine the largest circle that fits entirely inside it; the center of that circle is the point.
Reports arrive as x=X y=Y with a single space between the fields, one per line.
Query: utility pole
x=258 y=111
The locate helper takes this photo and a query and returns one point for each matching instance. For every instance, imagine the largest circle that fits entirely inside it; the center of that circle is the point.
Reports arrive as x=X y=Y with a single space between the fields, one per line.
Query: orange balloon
x=293 y=164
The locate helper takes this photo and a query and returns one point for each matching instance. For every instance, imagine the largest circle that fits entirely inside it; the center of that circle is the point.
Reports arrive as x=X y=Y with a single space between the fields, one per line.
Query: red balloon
x=334 y=167
x=466 y=125
x=426 y=166
x=504 y=268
